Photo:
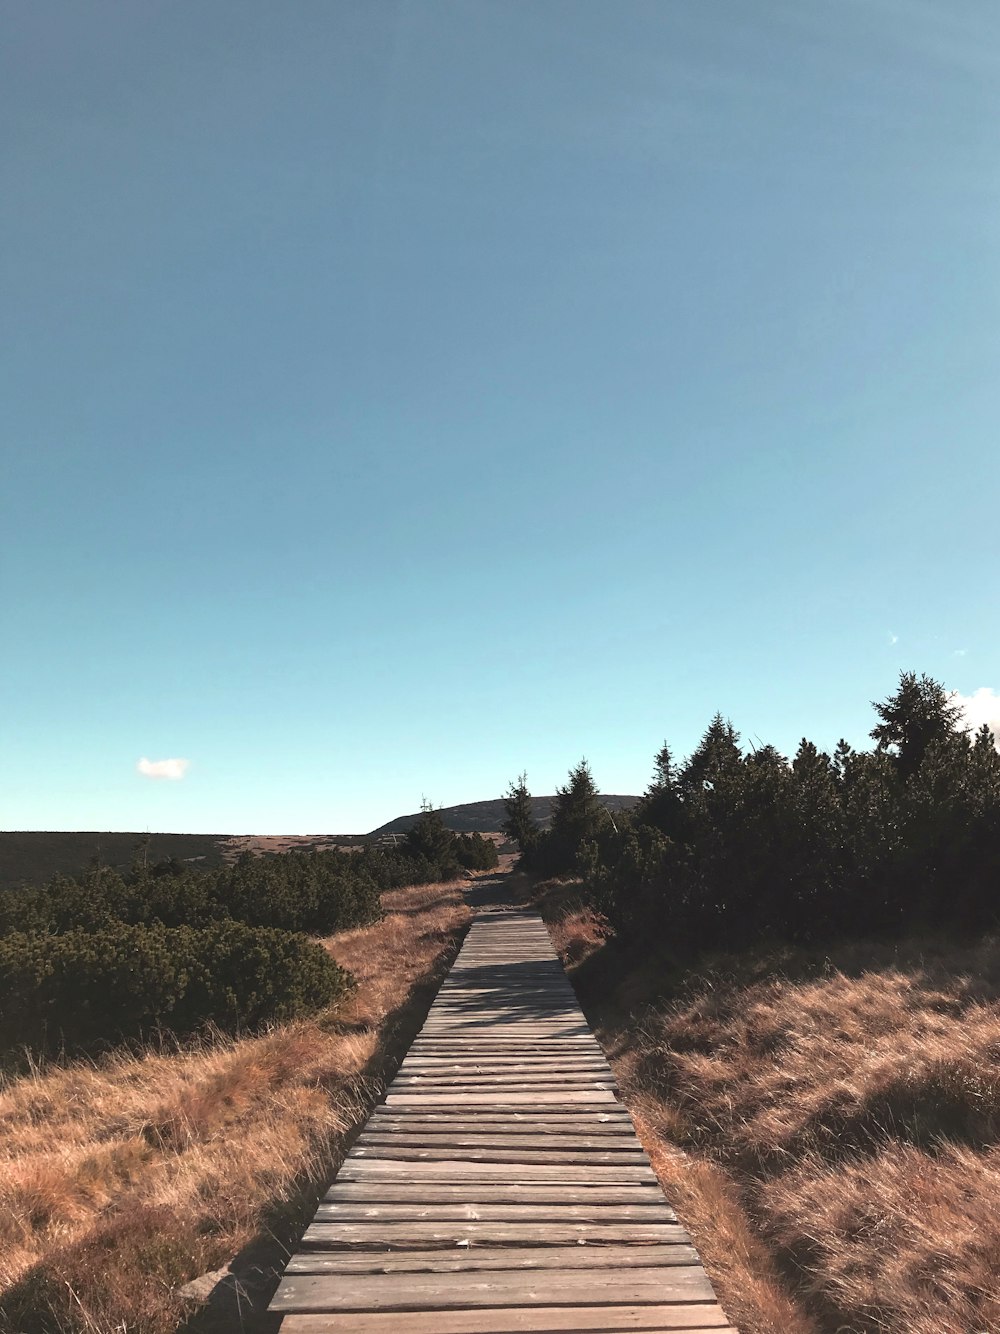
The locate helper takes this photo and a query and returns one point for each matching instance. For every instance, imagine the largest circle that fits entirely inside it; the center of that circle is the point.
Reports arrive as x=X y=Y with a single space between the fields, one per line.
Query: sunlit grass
x=825 y=1127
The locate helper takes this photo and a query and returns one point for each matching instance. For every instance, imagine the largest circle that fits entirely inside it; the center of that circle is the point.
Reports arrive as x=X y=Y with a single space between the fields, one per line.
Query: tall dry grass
x=828 y=1126
x=122 y=1180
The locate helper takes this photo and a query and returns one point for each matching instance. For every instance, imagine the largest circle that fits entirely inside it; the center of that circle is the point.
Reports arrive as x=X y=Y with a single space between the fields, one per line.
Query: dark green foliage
x=734 y=846
x=87 y=962
x=315 y=892
x=520 y=823
x=918 y=713
x=86 y=989
x=661 y=805
x=578 y=820
x=431 y=842
x=476 y=853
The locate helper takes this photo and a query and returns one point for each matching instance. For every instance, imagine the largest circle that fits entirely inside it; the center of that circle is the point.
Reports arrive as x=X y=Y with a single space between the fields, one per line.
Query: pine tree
x=717 y=752
x=577 y=817
x=431 y=839
x=921 y=711
x=985 y=741
x=520 y=823
x=661 y=805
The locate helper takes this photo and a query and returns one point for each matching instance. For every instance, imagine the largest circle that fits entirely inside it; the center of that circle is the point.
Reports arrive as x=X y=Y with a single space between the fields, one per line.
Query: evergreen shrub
x=82 y=990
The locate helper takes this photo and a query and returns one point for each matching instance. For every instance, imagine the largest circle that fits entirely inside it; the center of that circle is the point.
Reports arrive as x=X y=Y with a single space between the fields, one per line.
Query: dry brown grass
x=826 y=1127
x=122 y=1180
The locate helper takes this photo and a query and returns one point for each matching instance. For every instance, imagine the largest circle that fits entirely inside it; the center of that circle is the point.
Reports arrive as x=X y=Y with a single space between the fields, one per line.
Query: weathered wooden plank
x=487 y=1122
x=504 y=1025
x=461 y=1169
x=466 y=1019
x=419 y=1235
x=510 y=1008
x=520 y=1048
x=504 y=1079
x=489 y=982
x=479 y=1065
x=483 y=1045
x=524 y=1033
x=547 y=993
x=467 y=1113
x=499 y=1139
x=468 y=1084
x=486 y=1192
x=549 y=1112
x=447 y=1079
x=504 y=1042
x=475 y=1258
x=527 y=1056
x=413 y=1154
x=358 y=1211
x=560 y=1097
x=409 y=1292
x=583 y=1038
x=548 y=1115
x=691 y=1319
x=526 y=1007
x=501 y=1064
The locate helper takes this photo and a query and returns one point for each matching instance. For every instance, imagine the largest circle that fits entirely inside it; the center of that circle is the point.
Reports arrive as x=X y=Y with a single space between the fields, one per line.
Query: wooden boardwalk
x=500 y=1185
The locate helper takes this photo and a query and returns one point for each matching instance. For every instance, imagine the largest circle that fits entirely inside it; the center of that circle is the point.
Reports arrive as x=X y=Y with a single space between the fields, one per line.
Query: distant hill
x=486 y=816
x=33 y=858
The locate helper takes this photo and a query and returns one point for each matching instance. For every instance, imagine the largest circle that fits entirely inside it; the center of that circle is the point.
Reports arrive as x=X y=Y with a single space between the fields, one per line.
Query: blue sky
x=397 y=396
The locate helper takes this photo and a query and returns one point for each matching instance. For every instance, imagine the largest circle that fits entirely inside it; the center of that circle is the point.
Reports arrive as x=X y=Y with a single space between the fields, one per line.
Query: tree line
x=734 y=844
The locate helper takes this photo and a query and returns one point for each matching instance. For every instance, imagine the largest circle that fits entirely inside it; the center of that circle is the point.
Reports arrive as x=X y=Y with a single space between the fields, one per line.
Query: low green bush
x=476 y=853
x=315 y=892
x=87 y=989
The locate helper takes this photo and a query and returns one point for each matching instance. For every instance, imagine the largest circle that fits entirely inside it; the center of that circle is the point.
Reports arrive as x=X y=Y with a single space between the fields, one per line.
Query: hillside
x=34 y=857
x=487 y=816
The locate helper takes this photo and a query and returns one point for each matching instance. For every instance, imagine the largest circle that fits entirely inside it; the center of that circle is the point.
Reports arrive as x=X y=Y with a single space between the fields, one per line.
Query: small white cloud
x=982 y=706
x=960 y=652
x=173 y=769
x=893 y=639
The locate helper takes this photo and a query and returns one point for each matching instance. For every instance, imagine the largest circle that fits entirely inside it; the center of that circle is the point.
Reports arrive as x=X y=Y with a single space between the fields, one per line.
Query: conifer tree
x=431 y=839
x=660 y=805
x=717 y=752
x=921 y=711
x=577 y=817
x=520 y=823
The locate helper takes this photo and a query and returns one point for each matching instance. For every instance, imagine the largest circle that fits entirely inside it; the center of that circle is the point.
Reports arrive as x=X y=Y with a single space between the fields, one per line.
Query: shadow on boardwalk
x=490 y=893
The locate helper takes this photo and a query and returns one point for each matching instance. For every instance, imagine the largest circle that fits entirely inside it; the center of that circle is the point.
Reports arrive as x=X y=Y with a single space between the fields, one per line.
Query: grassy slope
x=121 y=1181
x=827 y=1127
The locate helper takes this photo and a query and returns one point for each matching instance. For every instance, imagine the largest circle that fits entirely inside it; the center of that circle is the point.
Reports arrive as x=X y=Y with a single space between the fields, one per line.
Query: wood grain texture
x=535 y=1320
x=442 y=1192
x=486 y=1257
x=501 y=1287
x=487 y=1213
x=380 y=1235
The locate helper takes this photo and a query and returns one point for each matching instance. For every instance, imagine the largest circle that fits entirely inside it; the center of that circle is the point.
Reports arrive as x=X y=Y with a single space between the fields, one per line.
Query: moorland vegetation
x=795 y=969
x=125 y=1176
x=735 y=846
x=92 y=960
